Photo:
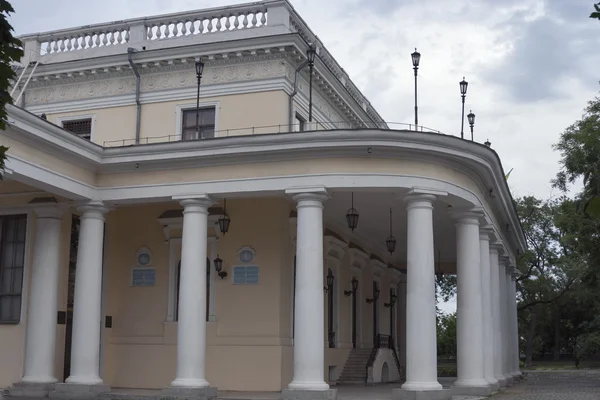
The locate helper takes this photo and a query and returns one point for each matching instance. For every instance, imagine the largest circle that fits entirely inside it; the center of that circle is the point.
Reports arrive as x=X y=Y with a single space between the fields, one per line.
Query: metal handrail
x=275 y=129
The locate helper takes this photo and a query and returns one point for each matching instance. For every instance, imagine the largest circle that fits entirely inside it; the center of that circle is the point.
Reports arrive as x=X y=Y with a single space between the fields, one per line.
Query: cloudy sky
x=531 y=64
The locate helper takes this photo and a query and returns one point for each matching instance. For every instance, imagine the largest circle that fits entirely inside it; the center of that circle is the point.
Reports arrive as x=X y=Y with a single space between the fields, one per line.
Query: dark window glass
x=206 y=124
x=12 y=262
x=80 y=127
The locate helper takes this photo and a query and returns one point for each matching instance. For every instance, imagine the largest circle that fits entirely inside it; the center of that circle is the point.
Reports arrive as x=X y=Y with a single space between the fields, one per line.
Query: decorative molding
x=358 y=259
x=176 y=223
x=379 y=267
x=395 y=276
x=334 y=248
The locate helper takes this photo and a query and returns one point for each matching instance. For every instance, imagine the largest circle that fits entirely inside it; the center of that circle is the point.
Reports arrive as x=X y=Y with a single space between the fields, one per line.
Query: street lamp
x=416 y=57
x=199 y=69
x=471 y=118
x=311 y=53
x=463 y=93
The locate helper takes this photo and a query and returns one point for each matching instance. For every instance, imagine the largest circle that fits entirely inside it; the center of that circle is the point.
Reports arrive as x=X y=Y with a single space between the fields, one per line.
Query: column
x=309 y=325
x=87 y=319
x=486 y=312
x=503 y=319
x=515 y=326
x=41 y=320
x=191 y=324
x=496 y=316
x=421 y=344
x=510 y=342
x=469 y=325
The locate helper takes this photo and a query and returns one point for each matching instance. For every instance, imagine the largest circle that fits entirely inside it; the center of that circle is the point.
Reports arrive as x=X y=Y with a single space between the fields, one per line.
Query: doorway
x=74 y=246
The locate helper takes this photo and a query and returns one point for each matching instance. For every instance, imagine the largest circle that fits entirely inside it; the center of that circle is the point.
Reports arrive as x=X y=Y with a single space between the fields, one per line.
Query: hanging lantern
x=352 y=216
x=390 y=242
x=224 y=220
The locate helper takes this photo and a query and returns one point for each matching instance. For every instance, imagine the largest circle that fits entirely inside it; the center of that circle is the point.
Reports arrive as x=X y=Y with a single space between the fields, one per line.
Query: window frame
x=180 y=108
x=61 y=120
x=26 y=262
x=301 y=124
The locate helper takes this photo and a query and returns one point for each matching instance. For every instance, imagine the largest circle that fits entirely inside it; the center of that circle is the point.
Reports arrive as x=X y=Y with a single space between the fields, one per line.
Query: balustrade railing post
x=278 y=14
x=138 y=32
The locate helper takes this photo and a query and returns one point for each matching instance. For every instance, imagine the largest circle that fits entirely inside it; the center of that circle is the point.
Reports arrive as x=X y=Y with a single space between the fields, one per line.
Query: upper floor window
x=206 y=124
x=82 y=127
x=12 y=262
x=300 y=124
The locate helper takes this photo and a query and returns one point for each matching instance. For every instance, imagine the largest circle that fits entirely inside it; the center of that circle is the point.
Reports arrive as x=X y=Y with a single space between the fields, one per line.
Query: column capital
x=50 y=210
x=419 y=200
x=315 y=193
x=199 y=203
x=497 y=246
x=93 y=209
x=467 y=215
x=486 y=232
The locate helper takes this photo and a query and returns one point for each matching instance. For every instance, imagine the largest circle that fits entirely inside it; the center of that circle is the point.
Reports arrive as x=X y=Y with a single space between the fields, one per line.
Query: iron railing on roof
x=275 y=129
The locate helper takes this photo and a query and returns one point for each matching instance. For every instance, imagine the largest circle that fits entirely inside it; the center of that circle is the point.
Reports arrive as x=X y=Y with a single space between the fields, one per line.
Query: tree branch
x=558 y=296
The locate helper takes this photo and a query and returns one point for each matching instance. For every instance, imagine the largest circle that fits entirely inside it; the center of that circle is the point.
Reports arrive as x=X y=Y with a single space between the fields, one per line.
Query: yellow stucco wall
x=159 y=120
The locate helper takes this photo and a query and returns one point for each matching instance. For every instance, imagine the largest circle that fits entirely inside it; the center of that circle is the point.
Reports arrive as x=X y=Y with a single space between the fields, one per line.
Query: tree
x=596 y=14
x=10 y=51
x=446 y=336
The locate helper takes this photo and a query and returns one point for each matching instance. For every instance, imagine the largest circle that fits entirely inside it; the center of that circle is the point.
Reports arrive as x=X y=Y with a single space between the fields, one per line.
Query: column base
x=502 y=383
x=403 y=394
x=75 y=391
x=30 y=389
x=303 y=394
x=495 y=386
x=471 y=390
x=189 y=393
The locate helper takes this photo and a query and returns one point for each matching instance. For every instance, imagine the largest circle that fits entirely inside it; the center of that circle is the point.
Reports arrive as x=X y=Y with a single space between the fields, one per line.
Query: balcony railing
x=273 y=129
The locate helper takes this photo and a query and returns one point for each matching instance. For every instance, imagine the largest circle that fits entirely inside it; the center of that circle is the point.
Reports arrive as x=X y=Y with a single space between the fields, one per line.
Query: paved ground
x=555 y=385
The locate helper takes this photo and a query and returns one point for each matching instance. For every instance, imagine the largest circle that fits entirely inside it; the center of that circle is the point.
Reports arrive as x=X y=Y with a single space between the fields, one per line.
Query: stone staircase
x=355 y=369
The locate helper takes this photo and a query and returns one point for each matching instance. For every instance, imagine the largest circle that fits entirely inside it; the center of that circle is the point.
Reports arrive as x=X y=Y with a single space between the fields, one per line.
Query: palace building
x=273 y=234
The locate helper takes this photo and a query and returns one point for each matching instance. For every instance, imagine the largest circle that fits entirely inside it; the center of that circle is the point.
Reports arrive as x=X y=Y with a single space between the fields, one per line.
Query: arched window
x=207 y=289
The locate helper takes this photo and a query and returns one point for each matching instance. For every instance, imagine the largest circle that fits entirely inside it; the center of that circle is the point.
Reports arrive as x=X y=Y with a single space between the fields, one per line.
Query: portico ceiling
x=373 y=226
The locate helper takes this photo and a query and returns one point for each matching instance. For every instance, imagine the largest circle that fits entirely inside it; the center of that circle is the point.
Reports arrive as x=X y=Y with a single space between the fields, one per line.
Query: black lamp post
x=463 y=93
x=354 y=281
x=199 y=69
x=392 y=302
x=311 y=53
x=416 y=57
x=219 y=266
x=224 y=219
x=329 y=281
x=390 y=242
x=352 y=216
x=375 y=296
x=471 y=118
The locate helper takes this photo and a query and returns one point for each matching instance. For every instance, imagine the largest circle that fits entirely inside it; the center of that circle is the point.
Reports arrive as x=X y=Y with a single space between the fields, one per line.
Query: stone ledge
x=188 y=393
x=299 y=394
x=440 y=394
x=73 y=391
x=26 y=389
x=471 y=390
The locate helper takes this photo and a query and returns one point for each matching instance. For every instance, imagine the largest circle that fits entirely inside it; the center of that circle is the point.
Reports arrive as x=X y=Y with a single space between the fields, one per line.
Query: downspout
x=294 y=93
x=138 y=117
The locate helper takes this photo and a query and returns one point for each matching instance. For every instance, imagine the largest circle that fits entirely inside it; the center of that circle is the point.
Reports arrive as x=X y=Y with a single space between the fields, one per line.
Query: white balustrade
x=82 y=40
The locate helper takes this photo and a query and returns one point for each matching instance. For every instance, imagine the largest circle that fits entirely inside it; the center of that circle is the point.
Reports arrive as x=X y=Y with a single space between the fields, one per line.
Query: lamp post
x=311 y=53
x=199 y=69
x=471 y=118
x=416 y=57
x=463 y=93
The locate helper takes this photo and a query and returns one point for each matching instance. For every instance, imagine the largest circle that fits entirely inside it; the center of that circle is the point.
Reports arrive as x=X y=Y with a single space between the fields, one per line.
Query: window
x=206 y=124
x=81 y=127
x=245 y=275
x=143 y=277
x=12 y=261
x=299 y=124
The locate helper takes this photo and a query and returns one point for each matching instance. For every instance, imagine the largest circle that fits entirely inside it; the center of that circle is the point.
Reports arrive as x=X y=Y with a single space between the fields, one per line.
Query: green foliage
x=10 y=51
x=447 y=370
x=596 y=14
x=446 y=336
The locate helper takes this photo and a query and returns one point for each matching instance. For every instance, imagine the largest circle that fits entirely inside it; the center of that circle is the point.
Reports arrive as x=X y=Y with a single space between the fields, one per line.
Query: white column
x=421 y=341
x=41 y=323
x=496 y=316
x=469 y=325
x=504 y=319
x=309 y=325
x=516 y=372
x=87 y=319
x=191 y=324
x=486 y=311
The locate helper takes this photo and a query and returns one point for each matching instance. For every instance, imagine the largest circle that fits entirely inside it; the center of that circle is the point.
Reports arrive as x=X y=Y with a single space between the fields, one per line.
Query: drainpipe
x=138 y=117
x=295 y=92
